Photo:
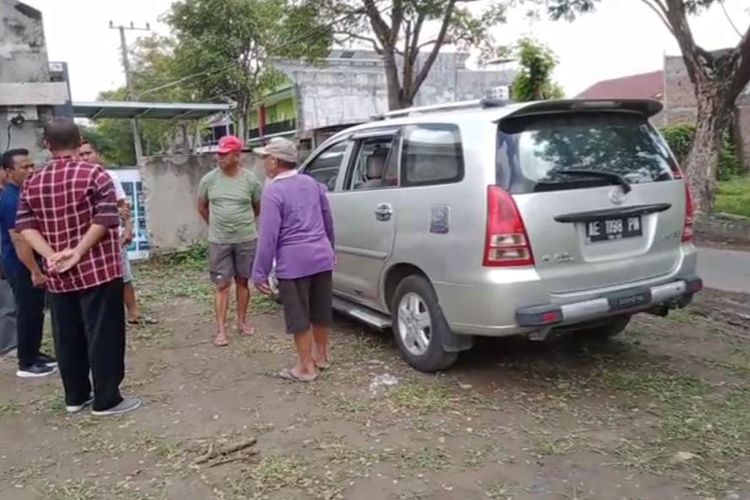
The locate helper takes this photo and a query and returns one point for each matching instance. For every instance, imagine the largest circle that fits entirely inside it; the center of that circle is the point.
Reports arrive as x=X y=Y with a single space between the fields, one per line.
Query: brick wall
x=679 y=98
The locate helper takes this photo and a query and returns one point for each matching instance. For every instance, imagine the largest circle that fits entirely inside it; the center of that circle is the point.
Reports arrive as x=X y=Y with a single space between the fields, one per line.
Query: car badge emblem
x=616 y=195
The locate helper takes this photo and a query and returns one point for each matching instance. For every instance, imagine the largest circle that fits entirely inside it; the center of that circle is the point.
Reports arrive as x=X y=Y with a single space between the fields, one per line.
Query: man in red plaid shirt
x=68 y=214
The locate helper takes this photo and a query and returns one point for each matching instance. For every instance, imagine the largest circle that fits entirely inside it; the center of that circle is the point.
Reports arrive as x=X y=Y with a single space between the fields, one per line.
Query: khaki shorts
x=227 y=261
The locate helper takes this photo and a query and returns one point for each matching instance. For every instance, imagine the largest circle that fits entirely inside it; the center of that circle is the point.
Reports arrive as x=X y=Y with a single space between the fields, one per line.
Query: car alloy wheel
x=414 y=324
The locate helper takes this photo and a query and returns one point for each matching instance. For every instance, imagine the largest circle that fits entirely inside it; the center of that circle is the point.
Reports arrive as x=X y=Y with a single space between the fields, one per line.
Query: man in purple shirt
x=296 y=230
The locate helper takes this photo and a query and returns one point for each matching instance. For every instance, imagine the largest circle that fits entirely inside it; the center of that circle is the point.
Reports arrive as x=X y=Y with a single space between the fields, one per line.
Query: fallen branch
x=213 y=453
x=245 y=456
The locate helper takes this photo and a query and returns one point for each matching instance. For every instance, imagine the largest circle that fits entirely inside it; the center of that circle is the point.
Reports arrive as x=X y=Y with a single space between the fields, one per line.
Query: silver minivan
x=493 y=219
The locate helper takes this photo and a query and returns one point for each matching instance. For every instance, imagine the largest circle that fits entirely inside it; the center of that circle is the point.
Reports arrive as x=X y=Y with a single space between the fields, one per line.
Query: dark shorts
x=307 y=301
x=229 y=261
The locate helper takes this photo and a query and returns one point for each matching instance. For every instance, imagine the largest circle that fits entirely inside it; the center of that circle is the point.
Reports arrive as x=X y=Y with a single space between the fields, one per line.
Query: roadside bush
x=680 y=139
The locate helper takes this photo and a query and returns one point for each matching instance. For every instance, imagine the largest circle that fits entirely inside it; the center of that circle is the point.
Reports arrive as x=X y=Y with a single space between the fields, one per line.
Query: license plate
x=616 y=228
x=629 y=300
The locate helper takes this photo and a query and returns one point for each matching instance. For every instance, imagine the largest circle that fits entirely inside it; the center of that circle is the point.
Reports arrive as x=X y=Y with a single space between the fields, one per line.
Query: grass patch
x=349 y=406
x=548 y=444
x=490 y=453
x=733 y=196
x=160 y=447
x=500 y=491
x=692 y=417
x=420 y=399
x=53 y=403
x=263 y=304
x=273 y=473
x=9 y=408
x=683 y=316
x=737 y=362
x=426 y=459
x=151 y=335
x=72 y=490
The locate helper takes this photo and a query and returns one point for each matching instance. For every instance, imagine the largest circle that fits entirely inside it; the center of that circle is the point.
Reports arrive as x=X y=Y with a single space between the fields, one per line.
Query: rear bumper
x=627 y=301
x=487 y=303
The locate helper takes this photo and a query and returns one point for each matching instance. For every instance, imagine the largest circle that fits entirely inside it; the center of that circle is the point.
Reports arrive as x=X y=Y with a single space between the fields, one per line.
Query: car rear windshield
x=534 y=152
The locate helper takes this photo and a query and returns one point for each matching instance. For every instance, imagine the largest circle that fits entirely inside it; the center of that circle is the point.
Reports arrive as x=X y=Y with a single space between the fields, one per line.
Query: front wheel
x=419 y=326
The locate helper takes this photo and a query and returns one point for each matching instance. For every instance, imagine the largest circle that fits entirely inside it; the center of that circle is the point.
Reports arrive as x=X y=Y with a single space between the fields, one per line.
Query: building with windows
x=349 y=88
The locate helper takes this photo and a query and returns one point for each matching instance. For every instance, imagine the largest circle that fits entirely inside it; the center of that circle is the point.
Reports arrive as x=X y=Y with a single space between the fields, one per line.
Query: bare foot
x=322 y=358
x=221 y=341
x=245 y=330
x=323 y=363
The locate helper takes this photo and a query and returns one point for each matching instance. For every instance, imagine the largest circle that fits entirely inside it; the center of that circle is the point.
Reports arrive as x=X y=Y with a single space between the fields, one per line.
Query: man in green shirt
x=229 y=201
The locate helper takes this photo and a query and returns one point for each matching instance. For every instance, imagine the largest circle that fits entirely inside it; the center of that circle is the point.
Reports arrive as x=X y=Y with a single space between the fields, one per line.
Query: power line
x=129 y=79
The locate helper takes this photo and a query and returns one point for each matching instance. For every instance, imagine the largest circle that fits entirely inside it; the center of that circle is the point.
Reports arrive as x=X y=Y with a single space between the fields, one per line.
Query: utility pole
x=129 y=80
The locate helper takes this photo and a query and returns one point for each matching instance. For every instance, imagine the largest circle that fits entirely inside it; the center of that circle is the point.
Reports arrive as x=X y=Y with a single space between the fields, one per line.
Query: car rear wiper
x=584 y=172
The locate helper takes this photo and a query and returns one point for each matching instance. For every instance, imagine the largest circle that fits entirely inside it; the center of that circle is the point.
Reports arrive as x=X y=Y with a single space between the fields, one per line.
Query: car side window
x=368 y=171
x=326 y=166
x=431 y=154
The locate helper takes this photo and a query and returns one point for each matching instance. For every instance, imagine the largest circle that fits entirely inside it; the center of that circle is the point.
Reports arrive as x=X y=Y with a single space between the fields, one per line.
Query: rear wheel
x=419 y=326
x=607 y=330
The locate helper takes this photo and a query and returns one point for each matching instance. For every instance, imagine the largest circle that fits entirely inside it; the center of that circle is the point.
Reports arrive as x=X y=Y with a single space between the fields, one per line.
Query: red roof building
x=642 y=86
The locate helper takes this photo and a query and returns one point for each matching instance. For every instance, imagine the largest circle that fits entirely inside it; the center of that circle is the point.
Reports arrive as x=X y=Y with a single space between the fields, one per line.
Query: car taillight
x=687 y=231
x=507 y=243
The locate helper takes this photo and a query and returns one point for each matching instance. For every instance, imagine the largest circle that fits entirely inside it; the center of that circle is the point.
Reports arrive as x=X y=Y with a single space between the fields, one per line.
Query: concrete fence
x=170 y=187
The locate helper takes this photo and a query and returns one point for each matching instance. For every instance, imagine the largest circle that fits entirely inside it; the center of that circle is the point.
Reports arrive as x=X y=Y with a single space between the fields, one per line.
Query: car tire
x=419 y=326
x=608 y=330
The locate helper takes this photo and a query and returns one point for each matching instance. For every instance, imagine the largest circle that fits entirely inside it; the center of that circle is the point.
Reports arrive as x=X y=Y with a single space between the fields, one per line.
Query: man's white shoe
x=77 y=408
x=126 y=406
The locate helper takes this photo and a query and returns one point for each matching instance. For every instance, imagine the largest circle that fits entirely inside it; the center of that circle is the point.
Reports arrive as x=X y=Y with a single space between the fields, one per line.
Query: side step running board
x=361 y=313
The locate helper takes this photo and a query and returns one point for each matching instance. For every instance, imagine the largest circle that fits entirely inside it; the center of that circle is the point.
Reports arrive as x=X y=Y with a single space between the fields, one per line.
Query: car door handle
x=383 y=212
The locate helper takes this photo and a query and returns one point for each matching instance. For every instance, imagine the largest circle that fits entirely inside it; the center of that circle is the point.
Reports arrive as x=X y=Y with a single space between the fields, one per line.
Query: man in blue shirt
x=22 y=270
x=7 y=302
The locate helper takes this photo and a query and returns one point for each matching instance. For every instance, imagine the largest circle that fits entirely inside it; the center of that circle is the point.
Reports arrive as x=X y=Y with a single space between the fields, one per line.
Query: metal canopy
x=147 y=110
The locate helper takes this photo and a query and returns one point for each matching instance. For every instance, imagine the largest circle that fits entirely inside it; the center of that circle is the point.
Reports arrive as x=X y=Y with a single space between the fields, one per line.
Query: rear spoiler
x=644 y=107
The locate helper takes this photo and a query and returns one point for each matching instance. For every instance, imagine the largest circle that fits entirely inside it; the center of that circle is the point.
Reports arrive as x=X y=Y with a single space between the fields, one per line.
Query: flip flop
x=221 y=341
x=324 y=366
x=145 y=320
x=288 y=374
x=246 y=333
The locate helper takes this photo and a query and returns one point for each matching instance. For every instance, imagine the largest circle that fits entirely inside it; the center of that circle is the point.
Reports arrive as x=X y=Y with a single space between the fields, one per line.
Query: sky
x=622 y=37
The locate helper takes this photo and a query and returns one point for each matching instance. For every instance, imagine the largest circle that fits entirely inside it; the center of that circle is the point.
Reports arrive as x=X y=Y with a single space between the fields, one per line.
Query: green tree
x=153 y=69
x=223 y=48
x=408 y=35
x=717 y=77
x=534 y=80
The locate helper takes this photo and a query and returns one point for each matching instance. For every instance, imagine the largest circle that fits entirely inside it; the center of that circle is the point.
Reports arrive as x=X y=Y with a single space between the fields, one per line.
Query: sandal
x=288 y=374
x=221 y=341
x=248 y=331
x=143 y=320
x=324 y=366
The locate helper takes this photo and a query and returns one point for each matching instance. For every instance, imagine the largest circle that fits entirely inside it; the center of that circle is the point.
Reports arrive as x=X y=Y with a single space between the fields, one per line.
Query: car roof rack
x=451 y=106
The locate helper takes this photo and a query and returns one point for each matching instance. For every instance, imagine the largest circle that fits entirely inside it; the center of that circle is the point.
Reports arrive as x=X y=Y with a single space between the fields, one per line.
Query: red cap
x=229 y=144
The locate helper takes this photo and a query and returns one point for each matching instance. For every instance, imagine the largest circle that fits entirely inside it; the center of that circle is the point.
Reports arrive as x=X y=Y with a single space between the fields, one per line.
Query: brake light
x=507 y=244
x=687 y=231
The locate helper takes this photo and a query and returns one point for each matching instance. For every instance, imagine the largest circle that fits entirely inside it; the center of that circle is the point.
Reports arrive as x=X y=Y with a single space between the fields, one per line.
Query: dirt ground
x=662 y=413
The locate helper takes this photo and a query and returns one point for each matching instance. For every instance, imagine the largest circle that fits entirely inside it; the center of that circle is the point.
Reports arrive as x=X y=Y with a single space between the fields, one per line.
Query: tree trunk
x=241 y=124
x=392 y=80
x=405 y=102
x=702 y=162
